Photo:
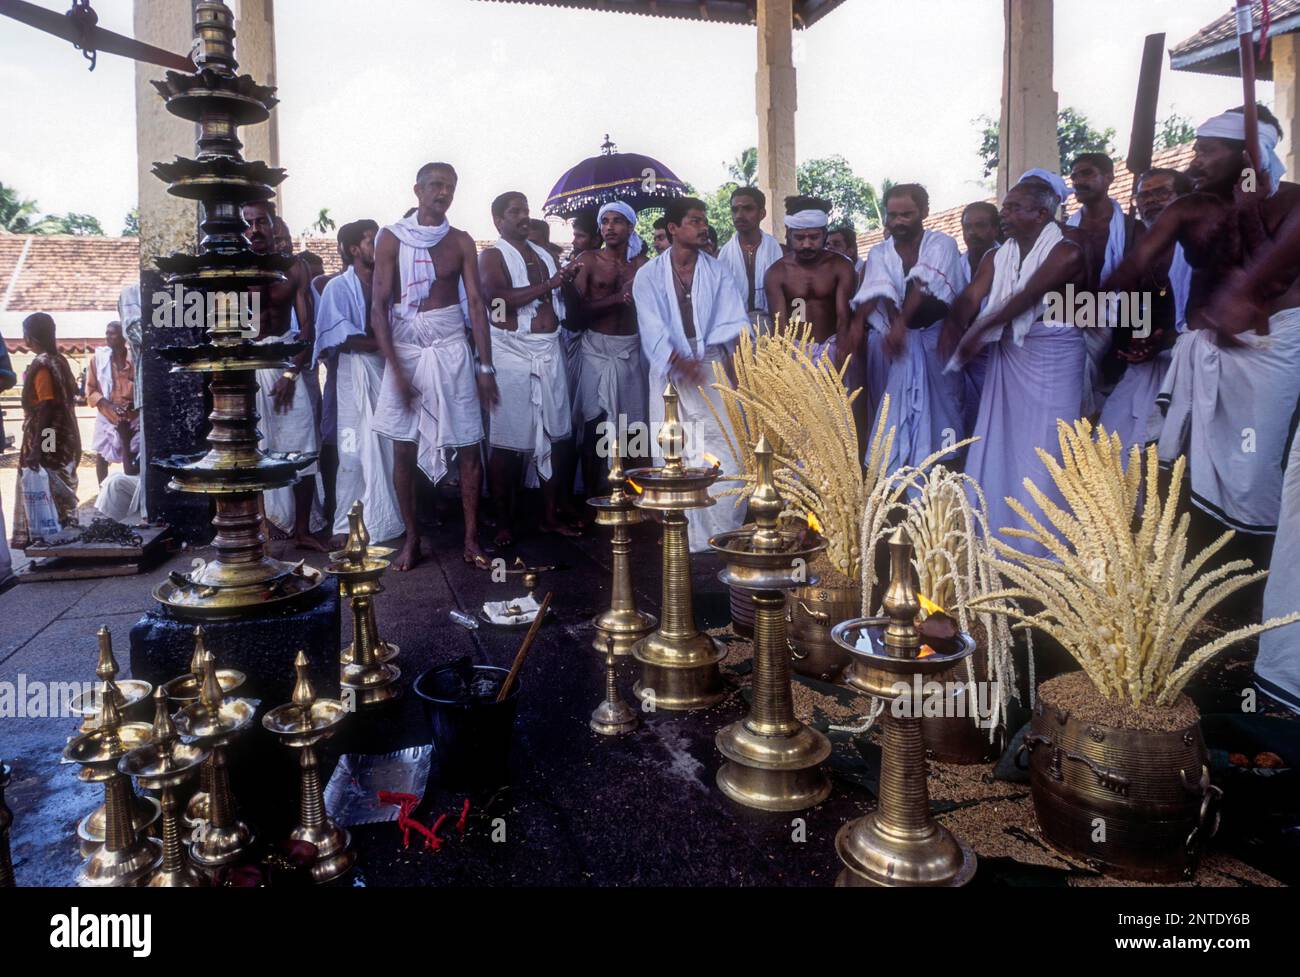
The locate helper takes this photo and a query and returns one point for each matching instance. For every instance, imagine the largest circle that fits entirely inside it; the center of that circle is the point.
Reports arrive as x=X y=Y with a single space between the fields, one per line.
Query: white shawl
x=1180 y=280
x=769 y=253
x=937 y=270
x=1114 y=242
x=719 y=310
x=340 y=313
x=104 y=370
x=413 y=260
x=518 y=272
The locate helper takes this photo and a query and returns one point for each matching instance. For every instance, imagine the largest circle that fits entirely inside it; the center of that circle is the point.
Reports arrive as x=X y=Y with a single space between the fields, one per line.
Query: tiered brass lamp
x=773 y=761
x=214 y=722
x=899 y=843
x=367 y=675
x=165 y=764
x=679 y=664
x=301 y=724
x=234 y=471
x=622 y=622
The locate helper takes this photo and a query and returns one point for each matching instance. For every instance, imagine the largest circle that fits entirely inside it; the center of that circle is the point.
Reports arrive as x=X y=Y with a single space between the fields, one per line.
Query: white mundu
x=290 y=431
x=719 y=315
x=431 y=348
x=365 y=471
x=534 y=407
x=1277 y=669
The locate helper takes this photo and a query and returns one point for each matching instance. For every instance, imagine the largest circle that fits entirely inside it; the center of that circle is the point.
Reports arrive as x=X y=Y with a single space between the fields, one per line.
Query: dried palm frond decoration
x=798 y=399
x=1122 y=601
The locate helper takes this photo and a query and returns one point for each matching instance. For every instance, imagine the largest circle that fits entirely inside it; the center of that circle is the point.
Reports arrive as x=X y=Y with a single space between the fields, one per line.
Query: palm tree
x=744 y=168
x=324 y=223
x=15 y=213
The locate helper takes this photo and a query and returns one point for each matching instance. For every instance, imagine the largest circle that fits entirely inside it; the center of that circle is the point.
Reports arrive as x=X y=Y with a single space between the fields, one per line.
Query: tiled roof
x=1214 y=48
x=949 y=221
x=806 y=12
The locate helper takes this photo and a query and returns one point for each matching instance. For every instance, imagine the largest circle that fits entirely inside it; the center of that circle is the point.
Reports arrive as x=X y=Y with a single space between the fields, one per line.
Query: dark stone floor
x=583 y=809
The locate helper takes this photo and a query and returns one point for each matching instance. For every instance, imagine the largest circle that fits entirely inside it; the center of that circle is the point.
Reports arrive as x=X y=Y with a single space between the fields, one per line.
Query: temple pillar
x=775 y=103
x=1285 y=51
x=1029 y=102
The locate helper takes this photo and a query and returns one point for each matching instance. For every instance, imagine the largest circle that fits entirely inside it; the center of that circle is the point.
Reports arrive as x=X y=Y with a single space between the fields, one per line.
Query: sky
x=513 y=95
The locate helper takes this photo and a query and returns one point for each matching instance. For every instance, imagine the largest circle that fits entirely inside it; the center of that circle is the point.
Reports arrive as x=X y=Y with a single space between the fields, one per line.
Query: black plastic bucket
x=472 y=740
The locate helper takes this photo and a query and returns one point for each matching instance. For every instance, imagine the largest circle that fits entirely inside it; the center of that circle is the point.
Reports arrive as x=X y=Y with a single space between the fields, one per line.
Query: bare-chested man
x=284 y=403
x=751 y=251
x=811 y=283
x=533 y=419
x=1229 y=398
x=433 y=393
x=613 y=386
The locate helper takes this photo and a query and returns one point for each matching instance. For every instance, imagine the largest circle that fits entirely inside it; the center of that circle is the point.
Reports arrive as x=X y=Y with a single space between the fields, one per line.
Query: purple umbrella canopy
x=640 y=181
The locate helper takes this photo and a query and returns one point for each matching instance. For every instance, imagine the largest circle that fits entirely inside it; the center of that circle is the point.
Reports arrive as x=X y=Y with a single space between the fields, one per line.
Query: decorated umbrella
x=640 y=181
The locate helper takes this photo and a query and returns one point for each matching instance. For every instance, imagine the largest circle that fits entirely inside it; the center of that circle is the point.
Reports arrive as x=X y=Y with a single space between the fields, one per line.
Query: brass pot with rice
x=810 y=613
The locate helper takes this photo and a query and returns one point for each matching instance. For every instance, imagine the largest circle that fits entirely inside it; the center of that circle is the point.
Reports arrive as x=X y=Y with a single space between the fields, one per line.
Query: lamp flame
x=712 y=460
x=635 y=487
x=929 y=606
x=814 y=524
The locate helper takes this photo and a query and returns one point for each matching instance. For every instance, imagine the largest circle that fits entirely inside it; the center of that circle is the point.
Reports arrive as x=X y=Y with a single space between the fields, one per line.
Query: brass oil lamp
x=367 y=675
x=127 y=694
x=164 y=765
x=773 y=761
x=899 y=843
x=679 y=664
x=300 y=725
x=126 y=854
x=622 y=622
x=613 y=717
x=242 y=577
x=214 y=722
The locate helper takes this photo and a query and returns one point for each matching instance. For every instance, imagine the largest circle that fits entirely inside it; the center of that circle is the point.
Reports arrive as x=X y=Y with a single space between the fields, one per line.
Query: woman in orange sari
x=50 y=437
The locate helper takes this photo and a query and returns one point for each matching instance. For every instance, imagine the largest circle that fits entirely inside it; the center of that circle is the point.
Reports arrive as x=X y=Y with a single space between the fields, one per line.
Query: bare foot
x=475 y=556
x=306 y=541
x=559 y=528
x=409 y=555
x=503 y=538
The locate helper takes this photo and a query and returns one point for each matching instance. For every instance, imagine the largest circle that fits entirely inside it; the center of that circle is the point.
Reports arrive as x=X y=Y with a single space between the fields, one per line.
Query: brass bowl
x=748 y=569
x=187 y=688
x=875 y=670
x=90 y=749
x=298 y=730
x=88 y=704
x=664 y=492
x=196 y=721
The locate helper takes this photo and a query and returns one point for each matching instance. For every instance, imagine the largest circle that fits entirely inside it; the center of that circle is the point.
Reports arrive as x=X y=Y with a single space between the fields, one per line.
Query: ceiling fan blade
x=52 y=22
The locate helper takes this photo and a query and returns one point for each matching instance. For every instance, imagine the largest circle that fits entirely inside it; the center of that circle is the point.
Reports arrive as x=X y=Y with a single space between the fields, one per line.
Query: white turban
x=1053 y=180
x=803 y=220
x=634 y=242
x=1232 y=125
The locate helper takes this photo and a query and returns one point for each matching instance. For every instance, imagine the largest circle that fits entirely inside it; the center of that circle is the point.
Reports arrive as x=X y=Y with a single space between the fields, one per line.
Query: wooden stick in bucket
x=523 y=648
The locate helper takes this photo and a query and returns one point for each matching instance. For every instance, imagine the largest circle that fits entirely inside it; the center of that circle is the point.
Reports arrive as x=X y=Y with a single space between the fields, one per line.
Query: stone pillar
x=775 y=102
x=255 y=50
x=174 y=412
x=1029 y=102
x=1285 y=52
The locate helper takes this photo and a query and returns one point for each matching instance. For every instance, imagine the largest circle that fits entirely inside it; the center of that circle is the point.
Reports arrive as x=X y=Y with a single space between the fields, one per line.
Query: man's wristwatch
x=487 y=369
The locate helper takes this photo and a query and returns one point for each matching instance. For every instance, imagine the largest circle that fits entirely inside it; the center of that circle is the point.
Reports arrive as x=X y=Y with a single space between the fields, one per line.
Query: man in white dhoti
x=284 y=404
x=343 y=335
x=1229 y=395
x=910 y=281
x=1034 y=375
x=751 y=251
x=432 y=393
x=533 y=416
x=1108 y=234
x=690 y=310
x=1142 y=362
x=613 y=387
x=110 y=390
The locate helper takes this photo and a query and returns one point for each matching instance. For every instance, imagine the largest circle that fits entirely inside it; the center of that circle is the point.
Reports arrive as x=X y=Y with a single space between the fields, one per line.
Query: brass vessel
x=126 y=855
x=899 y=843
x=613 y=717
x=214 y=722
x=679 y=664
x=300 y=725
x=622 y=622
x=242 y=577
x=773 y=761
x=163 y=765
x=811 y=610
x=367 y=675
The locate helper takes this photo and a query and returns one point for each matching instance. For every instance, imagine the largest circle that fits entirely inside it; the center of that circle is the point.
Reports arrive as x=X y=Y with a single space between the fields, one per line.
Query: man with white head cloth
x=910 y=281
x=533 y=417
x=751 y=251
x=691 y=310
x=612 y=385
x=1229 y=395
x=1034 y=374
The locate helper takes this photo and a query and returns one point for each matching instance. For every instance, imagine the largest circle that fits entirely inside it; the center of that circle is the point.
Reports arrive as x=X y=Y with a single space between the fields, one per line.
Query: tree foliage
x=131 y=226
x=832 y=178
x=1174 y=130
x=1074 y=134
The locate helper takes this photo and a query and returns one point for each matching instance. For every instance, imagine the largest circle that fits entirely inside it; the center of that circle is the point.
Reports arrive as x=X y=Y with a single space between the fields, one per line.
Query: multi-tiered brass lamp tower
x=622 y=622
x=679 y=664
x=234 y=472
x=773 y=761
x=899 y=843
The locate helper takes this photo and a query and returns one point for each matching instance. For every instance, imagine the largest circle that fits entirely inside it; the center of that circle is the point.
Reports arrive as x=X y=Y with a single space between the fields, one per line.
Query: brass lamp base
x=773 y=773
x=679 y=674
x=91 y=830
x=217 y=846
x=625 y=626
x=120 y=868
x=614 y=719
x=334 y=854
x=873 y=857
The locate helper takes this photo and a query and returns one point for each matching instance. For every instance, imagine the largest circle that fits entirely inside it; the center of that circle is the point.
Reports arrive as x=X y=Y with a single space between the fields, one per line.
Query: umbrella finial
x=607 y=148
